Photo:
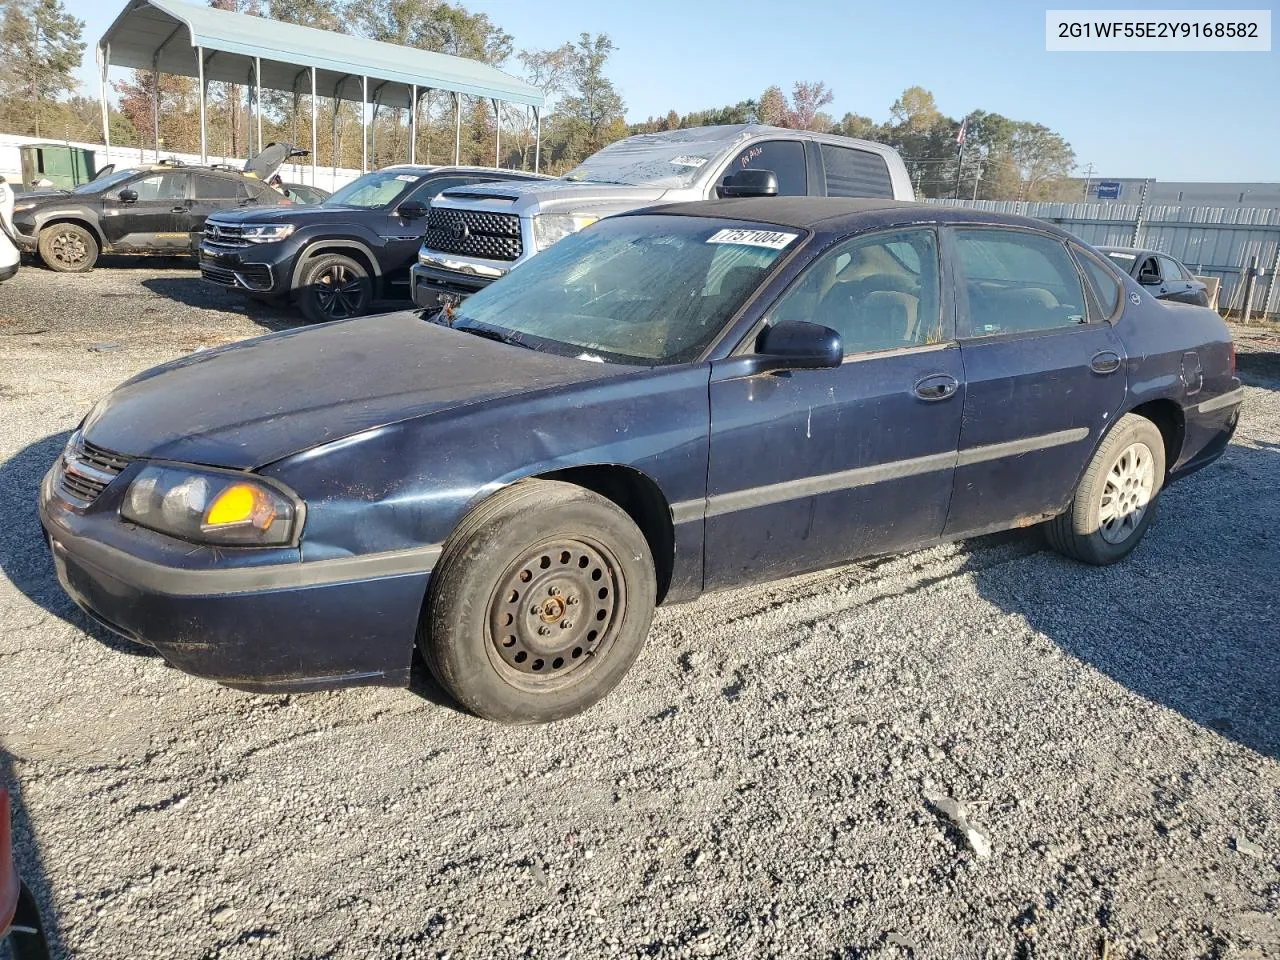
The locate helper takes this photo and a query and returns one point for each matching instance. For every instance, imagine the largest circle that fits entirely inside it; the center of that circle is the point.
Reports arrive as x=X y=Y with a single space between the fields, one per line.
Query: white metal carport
x=182 y=39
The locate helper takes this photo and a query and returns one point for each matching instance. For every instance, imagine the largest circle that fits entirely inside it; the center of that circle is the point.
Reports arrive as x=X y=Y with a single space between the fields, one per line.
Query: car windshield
x=646 y=290
x=379 y=189
x=654 y=160
x=1125 y=260
x=106 y=183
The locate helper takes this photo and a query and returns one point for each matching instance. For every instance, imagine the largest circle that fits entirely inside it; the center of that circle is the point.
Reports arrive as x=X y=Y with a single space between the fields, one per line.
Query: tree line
x=1002 y=159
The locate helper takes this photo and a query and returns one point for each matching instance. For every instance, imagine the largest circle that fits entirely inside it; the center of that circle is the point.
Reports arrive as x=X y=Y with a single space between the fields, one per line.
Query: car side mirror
x=128 y=196
x=798 y=345
x=412 y=210
x=749 y=183
x=1148 y=279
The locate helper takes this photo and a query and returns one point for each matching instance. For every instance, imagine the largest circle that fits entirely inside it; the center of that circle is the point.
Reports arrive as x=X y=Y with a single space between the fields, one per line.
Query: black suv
x=336 y=257
x=152 y=209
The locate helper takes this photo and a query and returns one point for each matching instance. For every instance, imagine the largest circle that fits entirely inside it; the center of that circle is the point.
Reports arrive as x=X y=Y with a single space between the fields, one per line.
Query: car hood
x=295 y=213
x=255 y=402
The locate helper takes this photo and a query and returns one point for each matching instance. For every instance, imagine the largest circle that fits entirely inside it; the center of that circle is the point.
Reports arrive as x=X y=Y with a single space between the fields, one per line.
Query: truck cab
x=477 y=234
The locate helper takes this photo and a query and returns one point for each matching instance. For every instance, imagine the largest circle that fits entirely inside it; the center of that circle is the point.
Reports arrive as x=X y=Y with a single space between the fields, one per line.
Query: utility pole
x=1088 y=179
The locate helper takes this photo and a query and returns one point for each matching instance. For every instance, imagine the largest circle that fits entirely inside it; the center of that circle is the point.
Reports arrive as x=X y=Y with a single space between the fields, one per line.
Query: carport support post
x=204 y=143
x=364 y=125
x=497 y=134
x=457 y=127
x=413 y=125
x=104 y=58
x=537 y=143
x=155 y=104
x=257 y=98
x=315 y=140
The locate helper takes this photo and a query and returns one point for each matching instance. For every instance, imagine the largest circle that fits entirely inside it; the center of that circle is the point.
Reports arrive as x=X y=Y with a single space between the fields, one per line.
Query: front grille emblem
x=459 y=231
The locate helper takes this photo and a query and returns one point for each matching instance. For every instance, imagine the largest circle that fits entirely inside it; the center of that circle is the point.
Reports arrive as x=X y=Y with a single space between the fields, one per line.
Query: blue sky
x=1173 y=116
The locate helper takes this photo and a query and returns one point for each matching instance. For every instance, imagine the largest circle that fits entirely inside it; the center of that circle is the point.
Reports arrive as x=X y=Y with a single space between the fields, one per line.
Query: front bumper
x=230 y=268
x=437 y=279
x=227 y=615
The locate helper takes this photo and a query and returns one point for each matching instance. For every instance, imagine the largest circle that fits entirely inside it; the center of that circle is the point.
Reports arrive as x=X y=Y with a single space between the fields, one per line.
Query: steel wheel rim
x=339 y=291
x=554 y=614
x=69 y=249
x=1126 y=494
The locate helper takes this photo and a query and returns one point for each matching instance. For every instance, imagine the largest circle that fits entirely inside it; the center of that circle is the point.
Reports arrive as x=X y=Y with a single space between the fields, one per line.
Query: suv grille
x=86 y=471
x=474 y=233
x=223 y=235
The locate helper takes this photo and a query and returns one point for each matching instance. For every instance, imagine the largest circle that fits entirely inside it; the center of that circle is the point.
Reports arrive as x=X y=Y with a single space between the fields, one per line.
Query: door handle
x=1106 y=361
x=940 y=386
x=178 y=210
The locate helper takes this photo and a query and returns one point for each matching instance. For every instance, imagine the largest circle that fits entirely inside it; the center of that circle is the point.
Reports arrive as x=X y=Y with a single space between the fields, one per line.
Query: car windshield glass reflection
x=106 y=183
x=374 y=190
x=646 y=290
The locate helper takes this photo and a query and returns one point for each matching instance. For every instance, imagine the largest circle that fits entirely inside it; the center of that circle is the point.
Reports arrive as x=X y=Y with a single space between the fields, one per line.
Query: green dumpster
x=56 y=164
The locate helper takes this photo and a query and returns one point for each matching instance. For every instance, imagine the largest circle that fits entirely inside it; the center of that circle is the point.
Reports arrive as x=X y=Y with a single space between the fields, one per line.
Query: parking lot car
x=337 y=257
x=1163 y=276
x=476 y=236
x=304 y=194
x=9 y=255
x=150 y=209
x=672 y=401
x=20 y=924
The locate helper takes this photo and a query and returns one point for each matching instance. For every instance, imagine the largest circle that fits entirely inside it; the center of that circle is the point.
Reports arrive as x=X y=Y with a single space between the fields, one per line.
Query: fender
x=81 y=215
x=311 y=248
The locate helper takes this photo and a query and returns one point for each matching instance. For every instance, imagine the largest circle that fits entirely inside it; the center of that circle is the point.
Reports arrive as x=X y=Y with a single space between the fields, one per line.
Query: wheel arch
x=78 y=220
x=1171 y=421
x=346 y=246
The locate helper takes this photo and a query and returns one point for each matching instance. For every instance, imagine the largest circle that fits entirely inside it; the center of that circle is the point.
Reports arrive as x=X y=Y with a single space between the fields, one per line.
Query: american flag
x=961 y=133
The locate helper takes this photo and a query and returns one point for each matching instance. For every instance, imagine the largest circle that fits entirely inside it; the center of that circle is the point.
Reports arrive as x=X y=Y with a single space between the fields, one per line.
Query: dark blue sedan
x=673 y=401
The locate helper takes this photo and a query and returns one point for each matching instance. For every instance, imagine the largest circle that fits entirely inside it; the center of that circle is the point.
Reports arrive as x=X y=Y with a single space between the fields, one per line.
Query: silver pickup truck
x=477 y=234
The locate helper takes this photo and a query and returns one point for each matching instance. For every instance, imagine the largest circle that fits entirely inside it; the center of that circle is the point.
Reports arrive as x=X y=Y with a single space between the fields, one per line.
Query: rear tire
x=68 y=248
x=334 y=287
x=540 y=603
x=1115 y=501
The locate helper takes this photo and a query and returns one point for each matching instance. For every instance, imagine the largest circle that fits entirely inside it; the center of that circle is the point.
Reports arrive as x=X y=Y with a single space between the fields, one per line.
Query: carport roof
x=168 y=33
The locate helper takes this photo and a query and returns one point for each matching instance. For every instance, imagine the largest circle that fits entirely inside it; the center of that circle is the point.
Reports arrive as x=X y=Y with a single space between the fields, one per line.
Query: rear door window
x=1107 y=290
x=784 y=157
x=215 y=188
x=855 y=173
x=1171 y=270
x=1018 y=282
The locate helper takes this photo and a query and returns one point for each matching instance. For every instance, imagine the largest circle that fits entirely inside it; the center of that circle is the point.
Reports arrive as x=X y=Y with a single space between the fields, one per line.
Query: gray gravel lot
x=769 y=780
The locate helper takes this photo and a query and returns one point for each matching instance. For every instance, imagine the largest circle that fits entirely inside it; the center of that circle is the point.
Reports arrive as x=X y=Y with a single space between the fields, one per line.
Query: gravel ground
x=774 y=778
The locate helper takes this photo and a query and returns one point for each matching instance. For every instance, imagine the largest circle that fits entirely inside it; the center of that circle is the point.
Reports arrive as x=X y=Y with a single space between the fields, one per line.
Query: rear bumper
x=284 y=626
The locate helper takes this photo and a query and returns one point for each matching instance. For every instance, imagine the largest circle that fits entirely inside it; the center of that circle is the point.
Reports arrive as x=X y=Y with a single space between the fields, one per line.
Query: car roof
x=462 y=168
x=843 y=214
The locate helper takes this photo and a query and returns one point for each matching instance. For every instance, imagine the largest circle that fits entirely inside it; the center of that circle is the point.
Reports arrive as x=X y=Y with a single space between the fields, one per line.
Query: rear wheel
x=334 y=287
x=1115 y=500
x=540 y=603
x=68 y=248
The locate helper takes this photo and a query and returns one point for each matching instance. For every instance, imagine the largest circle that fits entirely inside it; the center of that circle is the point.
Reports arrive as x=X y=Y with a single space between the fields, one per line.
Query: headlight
x=24 y=207
x=212 y=506
x=266 y=232
x=550 y=229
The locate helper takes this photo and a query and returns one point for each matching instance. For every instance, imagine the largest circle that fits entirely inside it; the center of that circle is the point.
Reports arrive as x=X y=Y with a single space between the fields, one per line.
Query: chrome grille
x=224 y=235
x=474 y=233
x=86 y=471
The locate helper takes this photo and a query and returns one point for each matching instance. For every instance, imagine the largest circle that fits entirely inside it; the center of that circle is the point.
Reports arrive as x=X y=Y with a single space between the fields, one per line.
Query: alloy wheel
x=339 y=292
x=69 y=249
x=1126 y=493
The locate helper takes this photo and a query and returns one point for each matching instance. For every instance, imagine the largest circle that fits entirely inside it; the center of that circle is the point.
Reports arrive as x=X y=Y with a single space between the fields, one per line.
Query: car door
x=209 y=192
x=1044 y=374
x=154 y=222
x=786 y=158
x=402 y=236
x=1177 y=284
x=810 y=468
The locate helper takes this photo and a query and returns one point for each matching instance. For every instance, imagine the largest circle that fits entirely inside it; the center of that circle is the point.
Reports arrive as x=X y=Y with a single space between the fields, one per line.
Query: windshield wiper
x=488 y=334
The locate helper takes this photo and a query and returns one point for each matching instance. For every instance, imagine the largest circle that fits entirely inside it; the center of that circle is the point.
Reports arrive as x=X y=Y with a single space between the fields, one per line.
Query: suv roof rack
x=170 y=162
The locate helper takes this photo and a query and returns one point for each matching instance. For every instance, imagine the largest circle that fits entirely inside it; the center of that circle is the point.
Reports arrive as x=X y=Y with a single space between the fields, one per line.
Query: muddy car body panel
x=388 y=431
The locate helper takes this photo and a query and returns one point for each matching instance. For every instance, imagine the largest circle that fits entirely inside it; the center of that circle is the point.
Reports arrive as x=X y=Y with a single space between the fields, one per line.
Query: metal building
x=182 y=39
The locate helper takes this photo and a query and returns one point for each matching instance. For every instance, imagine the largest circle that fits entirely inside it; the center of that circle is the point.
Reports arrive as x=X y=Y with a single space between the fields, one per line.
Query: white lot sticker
x=408 y=178
x=773 y=239
x=688 y=161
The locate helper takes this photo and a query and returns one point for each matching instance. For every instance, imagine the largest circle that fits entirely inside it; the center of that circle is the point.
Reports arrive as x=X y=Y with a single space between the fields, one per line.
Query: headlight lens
x=550 y=229
x=210 y=506
x=266 y=232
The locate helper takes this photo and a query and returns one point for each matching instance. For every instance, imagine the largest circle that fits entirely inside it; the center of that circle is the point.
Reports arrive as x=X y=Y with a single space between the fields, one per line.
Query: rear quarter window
x=855 y=173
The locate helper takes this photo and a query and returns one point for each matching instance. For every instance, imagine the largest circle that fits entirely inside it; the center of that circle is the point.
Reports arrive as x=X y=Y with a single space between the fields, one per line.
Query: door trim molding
x=750 y=497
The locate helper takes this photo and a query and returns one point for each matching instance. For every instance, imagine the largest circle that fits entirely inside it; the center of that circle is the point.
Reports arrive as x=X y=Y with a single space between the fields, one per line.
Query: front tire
x=540 y=603
x=1115 y=501
x=68 y=248
x=334 y=287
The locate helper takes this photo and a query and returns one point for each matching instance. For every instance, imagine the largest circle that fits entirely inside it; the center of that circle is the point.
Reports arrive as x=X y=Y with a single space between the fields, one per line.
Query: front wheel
x=1115 y=500
x=68 y=248
x=540 y=603
x=334 y=287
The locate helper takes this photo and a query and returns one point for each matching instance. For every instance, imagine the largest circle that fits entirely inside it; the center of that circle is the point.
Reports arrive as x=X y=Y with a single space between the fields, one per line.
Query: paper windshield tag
x=773 y=239
x=688 y=161
x=408 y=178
